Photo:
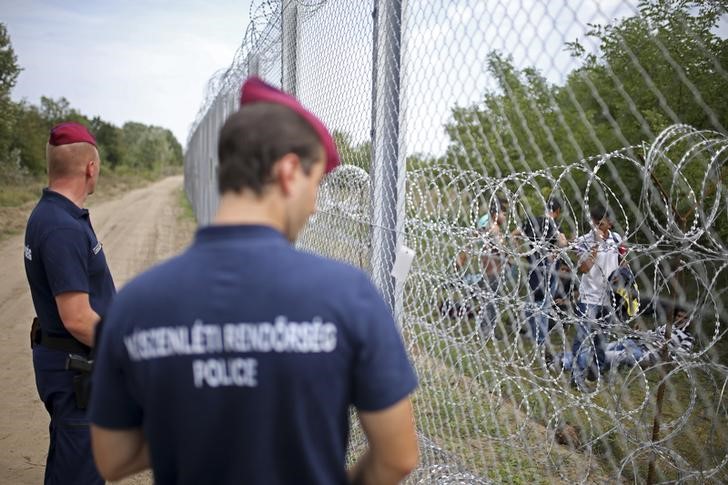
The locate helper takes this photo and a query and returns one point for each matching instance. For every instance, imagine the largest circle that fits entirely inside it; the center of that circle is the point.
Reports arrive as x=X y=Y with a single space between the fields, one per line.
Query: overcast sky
x=130 y=60
x=444 y=56
x=150 y=61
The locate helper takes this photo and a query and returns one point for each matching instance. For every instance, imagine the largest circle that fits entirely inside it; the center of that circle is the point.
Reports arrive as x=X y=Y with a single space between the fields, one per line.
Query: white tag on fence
x=402 y=262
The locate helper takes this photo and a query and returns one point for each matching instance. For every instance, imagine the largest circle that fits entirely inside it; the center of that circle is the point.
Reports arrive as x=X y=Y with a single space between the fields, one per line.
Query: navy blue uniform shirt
x=62 y=255
x=240 y=359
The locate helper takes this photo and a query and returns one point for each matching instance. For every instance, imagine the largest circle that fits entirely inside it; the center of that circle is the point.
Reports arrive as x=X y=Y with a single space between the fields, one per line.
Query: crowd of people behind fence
x=585 y=281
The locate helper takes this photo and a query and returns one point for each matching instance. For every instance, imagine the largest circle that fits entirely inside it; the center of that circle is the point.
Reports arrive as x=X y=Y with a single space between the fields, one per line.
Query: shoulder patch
x=28 y=253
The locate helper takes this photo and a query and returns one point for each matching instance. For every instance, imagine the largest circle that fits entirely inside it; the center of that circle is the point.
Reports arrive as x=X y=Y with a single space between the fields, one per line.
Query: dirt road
x=137 y=230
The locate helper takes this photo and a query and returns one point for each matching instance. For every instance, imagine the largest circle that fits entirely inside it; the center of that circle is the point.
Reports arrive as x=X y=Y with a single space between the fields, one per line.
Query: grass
x=186 y=214
x=19 y=193
x=614 y=423
x=18 y=196
x=516 y=397
x=487 y=434
x=493 y=409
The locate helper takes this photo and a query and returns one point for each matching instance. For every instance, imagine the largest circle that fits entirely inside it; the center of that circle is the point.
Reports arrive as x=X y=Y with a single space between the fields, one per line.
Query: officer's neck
x=73 y=189
x=249 y=209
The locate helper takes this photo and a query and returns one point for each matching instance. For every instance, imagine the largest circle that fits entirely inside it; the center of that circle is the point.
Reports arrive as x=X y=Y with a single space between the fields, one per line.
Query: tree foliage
x=359 y=154
x=663 y=66
x=9 y=70
x=24 y=129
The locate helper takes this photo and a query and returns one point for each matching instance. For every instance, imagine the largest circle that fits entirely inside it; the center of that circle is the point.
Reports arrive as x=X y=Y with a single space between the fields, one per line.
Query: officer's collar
x=217 y=232
x=64 y=202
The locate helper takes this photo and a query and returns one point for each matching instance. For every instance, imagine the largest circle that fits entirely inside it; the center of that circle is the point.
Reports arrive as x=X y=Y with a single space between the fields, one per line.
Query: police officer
x=237 y=361
x=71 y=286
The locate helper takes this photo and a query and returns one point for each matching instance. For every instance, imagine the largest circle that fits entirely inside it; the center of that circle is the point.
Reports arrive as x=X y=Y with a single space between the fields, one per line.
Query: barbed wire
x=500 y=398
x=261 y=35
x=506 y=359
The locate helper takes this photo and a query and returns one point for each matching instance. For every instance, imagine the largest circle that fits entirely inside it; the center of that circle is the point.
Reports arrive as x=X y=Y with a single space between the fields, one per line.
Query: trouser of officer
x=70 y=460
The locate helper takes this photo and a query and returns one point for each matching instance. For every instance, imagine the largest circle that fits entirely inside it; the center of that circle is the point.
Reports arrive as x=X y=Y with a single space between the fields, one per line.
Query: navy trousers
x=70 y=461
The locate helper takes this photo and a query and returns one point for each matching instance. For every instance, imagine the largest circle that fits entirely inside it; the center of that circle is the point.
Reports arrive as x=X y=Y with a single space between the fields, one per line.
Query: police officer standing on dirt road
x=238 y=361
x=71 y=285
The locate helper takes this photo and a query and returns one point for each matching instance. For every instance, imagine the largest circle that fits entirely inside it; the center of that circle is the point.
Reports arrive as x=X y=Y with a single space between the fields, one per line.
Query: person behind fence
x=470 y=275
x=238 y=360
x=682 y=342
x=478 y=265
x=492 y=260
x=644 y=350
x=544 y=238
x=625 y=294
x=71 y=287
x=599 y=257
x=565 y=294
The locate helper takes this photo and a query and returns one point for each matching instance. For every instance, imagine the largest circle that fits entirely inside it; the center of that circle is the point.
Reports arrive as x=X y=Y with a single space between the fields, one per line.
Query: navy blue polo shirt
x=62 y=254
x=240 y=358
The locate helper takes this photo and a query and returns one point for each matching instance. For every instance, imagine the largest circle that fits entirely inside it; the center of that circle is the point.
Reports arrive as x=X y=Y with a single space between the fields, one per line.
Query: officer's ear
x=91 y=168
x=285 y=172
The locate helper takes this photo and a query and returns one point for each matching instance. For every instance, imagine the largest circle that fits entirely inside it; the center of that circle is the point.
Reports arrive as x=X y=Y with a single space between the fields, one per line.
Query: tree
x=109 y=139
x=24 y=129
x=516 y=127
x=9 y=70
x=359 y=154
x=663 y=66
x=177 y=157
x=55 y=111
x=30 y=135
x=149 y=147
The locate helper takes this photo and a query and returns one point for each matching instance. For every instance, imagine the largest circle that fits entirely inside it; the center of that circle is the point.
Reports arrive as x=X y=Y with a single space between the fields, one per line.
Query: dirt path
x=137 y=230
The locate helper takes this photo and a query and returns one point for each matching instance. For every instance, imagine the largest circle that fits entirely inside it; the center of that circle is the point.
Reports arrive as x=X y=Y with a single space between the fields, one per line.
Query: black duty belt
x=65 y=344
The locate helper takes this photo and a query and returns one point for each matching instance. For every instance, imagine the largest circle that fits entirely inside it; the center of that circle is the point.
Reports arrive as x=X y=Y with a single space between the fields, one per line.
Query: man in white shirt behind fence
x=599 y=257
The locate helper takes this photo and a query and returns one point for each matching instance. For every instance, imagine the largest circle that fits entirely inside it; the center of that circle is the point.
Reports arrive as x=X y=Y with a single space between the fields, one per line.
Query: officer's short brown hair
x=254 y=138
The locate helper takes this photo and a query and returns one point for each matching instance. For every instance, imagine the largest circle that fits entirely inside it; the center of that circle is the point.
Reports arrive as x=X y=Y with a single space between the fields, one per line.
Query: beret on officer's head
x=255 y=90
x=70 y=132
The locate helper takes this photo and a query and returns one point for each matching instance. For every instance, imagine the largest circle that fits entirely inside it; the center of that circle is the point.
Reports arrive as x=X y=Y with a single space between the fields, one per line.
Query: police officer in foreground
x=71 y=286
x=237 y=361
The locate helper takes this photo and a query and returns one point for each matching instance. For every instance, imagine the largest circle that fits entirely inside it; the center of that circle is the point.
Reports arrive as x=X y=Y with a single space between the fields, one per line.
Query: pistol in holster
x=78 y=359
x=34 y=332
x=82 y=380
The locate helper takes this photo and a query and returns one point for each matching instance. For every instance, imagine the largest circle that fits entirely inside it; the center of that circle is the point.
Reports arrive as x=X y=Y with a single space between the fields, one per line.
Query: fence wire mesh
x=554 y=341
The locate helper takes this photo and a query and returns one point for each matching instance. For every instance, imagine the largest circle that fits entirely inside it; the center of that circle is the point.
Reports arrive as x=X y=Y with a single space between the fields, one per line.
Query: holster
x=82 y=389
x=77 y=361
x=82 y=380
x=34 y=332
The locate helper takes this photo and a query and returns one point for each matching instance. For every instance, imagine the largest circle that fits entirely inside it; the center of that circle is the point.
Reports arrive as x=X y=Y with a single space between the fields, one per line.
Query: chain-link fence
x=559 y=169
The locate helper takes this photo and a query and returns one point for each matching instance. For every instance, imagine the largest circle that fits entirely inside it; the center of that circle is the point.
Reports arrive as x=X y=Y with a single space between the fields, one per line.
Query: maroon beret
x=70 y=132
x=255 y=90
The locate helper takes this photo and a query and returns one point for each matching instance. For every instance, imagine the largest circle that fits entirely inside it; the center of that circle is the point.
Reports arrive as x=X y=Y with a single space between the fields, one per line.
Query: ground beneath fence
x=137 y=230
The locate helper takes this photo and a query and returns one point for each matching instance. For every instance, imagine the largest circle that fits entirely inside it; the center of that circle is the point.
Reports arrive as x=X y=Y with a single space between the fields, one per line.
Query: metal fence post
x=253 y=64
x=387 y=170
x=289 y=46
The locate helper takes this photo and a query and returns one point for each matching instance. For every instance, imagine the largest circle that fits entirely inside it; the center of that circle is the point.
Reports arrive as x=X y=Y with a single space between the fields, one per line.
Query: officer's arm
x=77 y=315
x=393 y=450
x=119 y=452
